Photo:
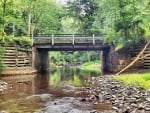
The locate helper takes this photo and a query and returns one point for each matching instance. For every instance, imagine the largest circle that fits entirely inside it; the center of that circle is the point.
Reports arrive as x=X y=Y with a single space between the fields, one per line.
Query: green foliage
x=70 y=25
x=93 y=66
x=47 y=19
x=20 y=41
x=57 y=59
x=141 y=80
x=97 y=62
x=45 y=16
x=126 y=22
x=23 y=41
x=83 y=12
x=74 y=58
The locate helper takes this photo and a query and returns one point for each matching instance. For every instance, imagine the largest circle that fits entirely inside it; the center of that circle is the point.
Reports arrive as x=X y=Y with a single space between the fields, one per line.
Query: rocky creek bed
x=102 y=95
x=124 y=98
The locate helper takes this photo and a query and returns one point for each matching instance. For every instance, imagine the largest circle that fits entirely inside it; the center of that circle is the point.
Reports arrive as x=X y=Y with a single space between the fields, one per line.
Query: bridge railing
x=68 y=38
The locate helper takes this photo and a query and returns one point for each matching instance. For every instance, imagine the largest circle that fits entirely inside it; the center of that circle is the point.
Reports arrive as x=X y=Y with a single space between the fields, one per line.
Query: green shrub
x=23 y=41
x=19 y=41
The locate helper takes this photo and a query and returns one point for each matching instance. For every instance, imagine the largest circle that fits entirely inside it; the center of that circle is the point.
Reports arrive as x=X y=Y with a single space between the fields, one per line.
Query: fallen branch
x=145 y=56
x=135 y=60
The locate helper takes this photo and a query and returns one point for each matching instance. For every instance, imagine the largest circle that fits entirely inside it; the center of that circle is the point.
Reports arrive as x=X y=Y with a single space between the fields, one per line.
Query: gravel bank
x=124 y=98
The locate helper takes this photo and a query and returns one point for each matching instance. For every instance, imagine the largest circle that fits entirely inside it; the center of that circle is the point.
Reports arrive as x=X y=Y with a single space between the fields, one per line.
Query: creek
x=63 y=90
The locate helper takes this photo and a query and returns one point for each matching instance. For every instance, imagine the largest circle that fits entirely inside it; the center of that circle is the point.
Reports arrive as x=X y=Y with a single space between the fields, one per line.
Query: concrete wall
x=41 y=59
x=110 y=60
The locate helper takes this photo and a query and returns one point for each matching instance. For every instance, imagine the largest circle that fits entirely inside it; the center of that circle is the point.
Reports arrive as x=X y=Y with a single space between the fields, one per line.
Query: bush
x=19 y=41
x=23 y=41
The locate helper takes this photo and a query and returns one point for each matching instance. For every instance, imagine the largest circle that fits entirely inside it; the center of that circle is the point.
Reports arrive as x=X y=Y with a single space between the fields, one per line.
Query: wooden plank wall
x=142 y=63
x=17 y=57
x=133 y=54
x=146 y=59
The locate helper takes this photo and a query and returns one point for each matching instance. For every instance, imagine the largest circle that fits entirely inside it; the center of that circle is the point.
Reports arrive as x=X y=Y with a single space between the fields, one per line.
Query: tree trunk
x=29 y=23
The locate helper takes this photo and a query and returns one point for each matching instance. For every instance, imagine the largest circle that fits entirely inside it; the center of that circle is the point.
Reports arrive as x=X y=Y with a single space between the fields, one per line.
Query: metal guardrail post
x=73 y=39
x=53 y=40
x=93 y=39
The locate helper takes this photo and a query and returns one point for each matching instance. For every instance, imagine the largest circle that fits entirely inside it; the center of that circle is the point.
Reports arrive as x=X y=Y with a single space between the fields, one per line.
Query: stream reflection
x=71 y=76
x=27 y=84
x=35 y=84
x=20 y=87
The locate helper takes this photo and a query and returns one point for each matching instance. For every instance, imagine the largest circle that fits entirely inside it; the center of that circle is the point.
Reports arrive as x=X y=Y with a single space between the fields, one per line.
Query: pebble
x=125 y=98
x=3 y=86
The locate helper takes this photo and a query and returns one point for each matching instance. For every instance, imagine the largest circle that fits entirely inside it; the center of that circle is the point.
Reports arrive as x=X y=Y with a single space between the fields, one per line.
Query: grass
x=142 y=80
x=92 y=63
x=91 y=66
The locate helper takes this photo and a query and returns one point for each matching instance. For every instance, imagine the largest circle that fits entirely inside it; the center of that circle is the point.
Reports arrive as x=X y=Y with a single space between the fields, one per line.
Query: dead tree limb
x=145 y=56
x=135 y=60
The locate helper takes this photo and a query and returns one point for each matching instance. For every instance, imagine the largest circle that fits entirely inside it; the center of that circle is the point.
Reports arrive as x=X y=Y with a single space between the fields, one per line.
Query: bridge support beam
x=41 y=60
x=110 y=60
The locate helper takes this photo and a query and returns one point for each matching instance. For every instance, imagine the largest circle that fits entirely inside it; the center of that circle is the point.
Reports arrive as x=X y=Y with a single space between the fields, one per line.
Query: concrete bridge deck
x=70 y=42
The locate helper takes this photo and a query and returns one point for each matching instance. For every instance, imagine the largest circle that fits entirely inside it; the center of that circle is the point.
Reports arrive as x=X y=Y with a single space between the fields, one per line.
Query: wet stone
x=3 y=86
x=124 y=98
x=148 y=99
x=115 y=108
x=147 y=108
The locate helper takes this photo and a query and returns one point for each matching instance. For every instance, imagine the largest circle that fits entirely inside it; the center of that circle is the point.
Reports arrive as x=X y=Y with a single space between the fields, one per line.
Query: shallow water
x=61 y=83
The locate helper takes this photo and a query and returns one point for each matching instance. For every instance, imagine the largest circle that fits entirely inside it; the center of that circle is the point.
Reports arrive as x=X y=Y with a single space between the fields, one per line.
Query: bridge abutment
x=41 y=60
x=110 y=60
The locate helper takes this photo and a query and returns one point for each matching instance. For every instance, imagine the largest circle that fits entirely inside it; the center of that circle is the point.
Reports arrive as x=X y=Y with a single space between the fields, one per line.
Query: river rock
x=3 y=112
x=3 y=86
x=123 y=98
x=148 y=99
x=42 y=97
x=115 y=108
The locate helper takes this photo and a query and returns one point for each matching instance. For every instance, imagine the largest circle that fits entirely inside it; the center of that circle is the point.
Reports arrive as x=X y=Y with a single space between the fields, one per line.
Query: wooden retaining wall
x=146 y=60
x=128 y=55
x=15 y=57
x=143 y=62
x=133 y=54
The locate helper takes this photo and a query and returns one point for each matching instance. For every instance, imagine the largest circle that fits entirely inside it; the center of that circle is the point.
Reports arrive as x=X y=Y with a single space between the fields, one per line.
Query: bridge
x=71 y=42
